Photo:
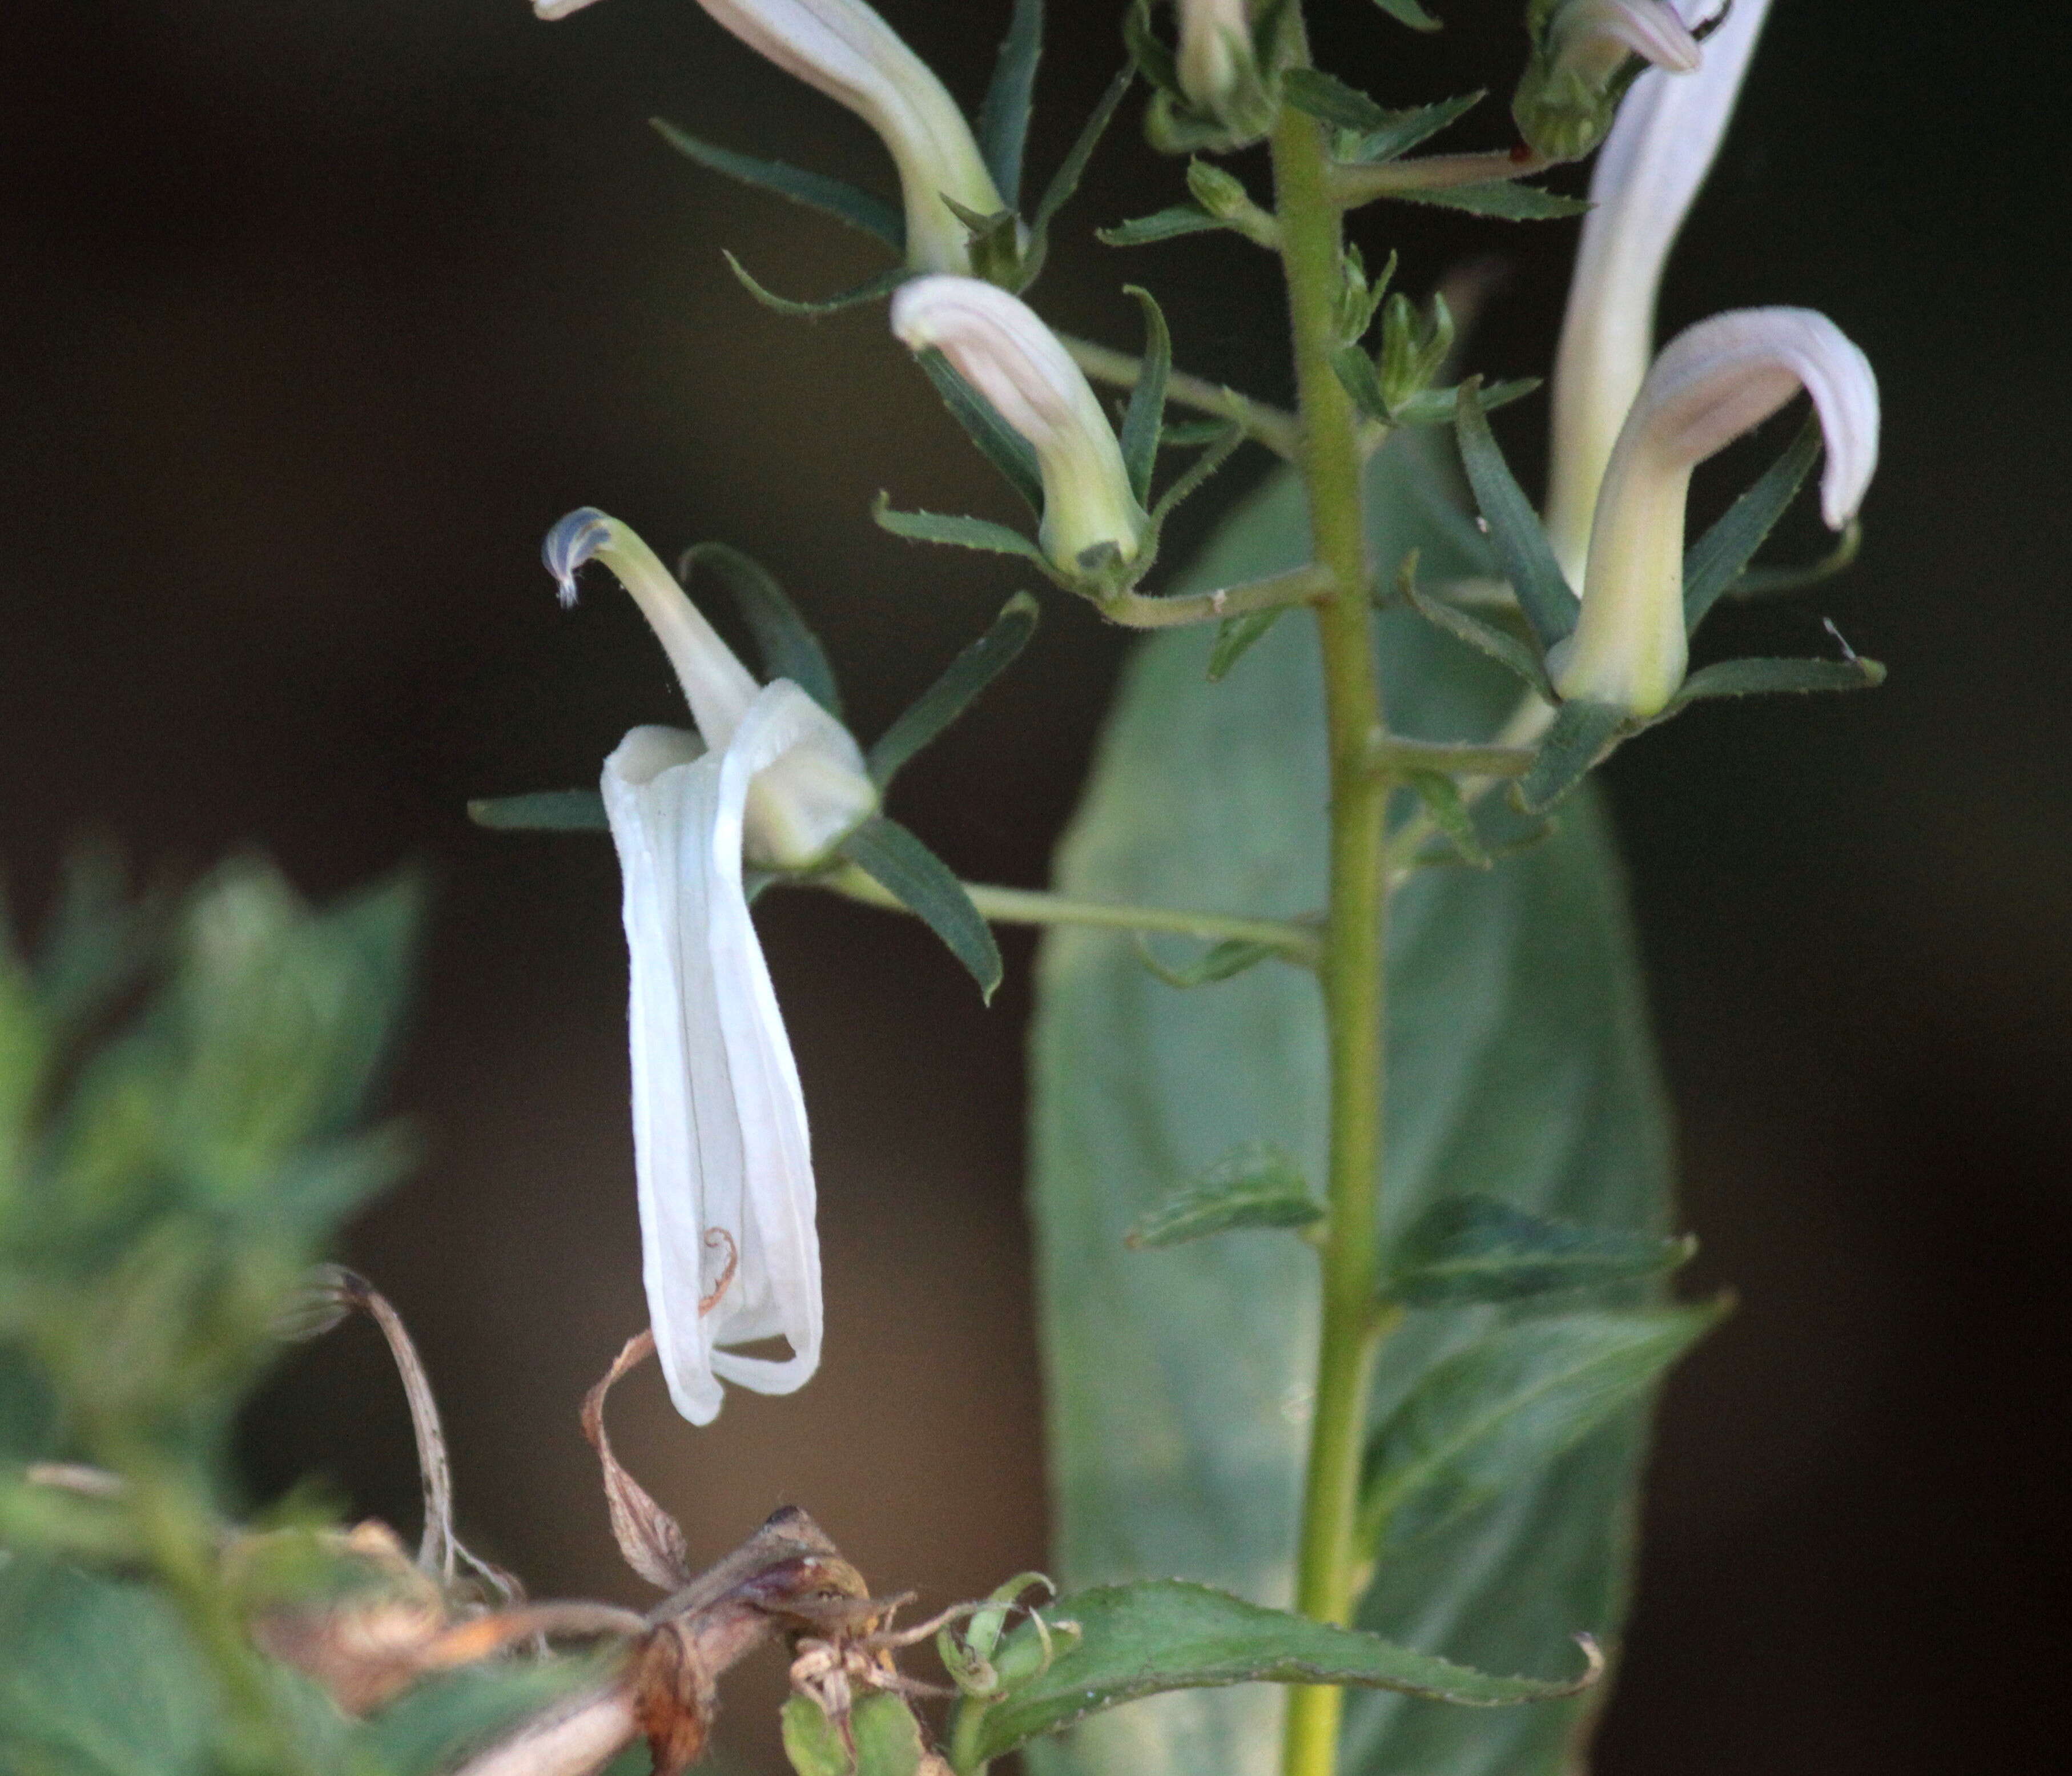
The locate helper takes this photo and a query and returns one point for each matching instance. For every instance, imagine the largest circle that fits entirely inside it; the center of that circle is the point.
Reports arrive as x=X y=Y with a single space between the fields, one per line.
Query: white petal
x=1606 y=30
x=730 y=1252
x=846 y=51
x=1669 y=127
x=557 y=9
x=999 y=346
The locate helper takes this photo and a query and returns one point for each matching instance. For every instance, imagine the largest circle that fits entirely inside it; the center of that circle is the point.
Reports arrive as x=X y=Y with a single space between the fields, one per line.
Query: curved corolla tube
x=1712 y=383
x=1670 y=127
x=729 y=1255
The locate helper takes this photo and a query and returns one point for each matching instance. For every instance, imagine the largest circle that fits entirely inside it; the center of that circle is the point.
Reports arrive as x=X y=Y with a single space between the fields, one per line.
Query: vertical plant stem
x=1330 y=460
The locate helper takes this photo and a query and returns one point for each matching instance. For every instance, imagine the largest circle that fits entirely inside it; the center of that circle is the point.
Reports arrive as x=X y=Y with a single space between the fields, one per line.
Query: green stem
x=1349 y=1338
x=1134 y=611
x=1029 y=906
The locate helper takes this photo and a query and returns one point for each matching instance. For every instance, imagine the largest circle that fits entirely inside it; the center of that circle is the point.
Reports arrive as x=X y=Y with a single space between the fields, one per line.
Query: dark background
x=316 y=316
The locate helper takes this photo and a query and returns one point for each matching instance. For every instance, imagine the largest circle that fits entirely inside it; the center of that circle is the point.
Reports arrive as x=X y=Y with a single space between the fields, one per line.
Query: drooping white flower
x=729 y=1255
x=843 y=48
x=1712 y=383
x=1668 y=130
x=998 y=346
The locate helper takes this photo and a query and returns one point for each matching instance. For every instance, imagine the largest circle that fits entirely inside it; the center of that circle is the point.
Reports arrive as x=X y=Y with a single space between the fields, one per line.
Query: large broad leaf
x=1178 y=1379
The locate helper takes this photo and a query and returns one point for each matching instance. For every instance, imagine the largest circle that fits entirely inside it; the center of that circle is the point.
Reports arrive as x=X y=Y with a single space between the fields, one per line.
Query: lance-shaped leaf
x=1222 y=961
x=1236 y=637
x=789 y=648
x=1475 y=1249
x=1410 y=13
x=1003 y=447
x=873 y=215
x=1066 y=180
x=955 y=529
x=1450 y=813
x=1503 y=200
x=1771 y=582
x=1400 y=131
x=1493 y=1416
x=808 y=308
x=1197 y=472
x=1716 y=560
x=1255 y=1185
x=928 y=888
x=1486 y=639
x=1329 y=100
x=1003 y=119
x=542 y=811
x=1166 y=224
x=1439 y=406
x=1580 y=734
x=1756 y=677
x=950 y=696
x=1142 y=424
x=1167 y=1635
x=1549 y=603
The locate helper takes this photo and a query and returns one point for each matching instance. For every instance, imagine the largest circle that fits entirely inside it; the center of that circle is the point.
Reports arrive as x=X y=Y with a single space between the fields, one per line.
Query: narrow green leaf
x=1494 y=1415
x=1141 y=425
x=926 y=887
x=1168 y=1634
x=543 y=811
x=788 y=646
x=1066 y=180
x=959 y=532
x=1198 y=471
x=1475 y=1249
x=1770 y=582
x=1497 y=644
x=1441 y=797
x=1535 y=577
x=1576 y=740
x=831 y=196
x=1003 y=119
x=1160 y=225
x=1255 y=1185
x=1220 y=962
x=1759 y=677
x=1004 y=447
x=1357 y=375
x=1505 y=199
x=951 y=695
x=1234 y=636
x=1439 y=406
x=1189 y=434
x=1153 y=58
x=882 y=284
x=1716 y=560
x=1410 y=13
x=1328 y=99
x=1400 y=131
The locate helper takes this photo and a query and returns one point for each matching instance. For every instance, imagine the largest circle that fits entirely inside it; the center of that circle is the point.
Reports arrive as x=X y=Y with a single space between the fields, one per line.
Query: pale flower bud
x=799 y=805
x=997 y=345
x=1669 y=127
x=1582 y=63
x=843 y=48
x=1217 y=68
x=1712 y=383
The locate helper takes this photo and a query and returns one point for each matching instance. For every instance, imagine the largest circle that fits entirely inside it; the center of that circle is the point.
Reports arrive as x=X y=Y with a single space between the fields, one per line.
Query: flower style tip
x=729 y=1253
x=1712 y=383
x=996 y=342
x=843 y=49
x=576 y=539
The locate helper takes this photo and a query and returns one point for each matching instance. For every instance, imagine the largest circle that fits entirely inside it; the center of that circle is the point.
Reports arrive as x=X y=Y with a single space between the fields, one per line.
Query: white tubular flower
x=1648 y=172
x=1592 y=38
x=729 y=1255
x=843 y=49
x=1215 y=56
x=1712 y=382
x=998 y=346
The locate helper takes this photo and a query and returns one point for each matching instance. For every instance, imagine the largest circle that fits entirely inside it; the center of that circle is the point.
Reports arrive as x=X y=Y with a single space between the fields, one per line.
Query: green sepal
x=1771 y=582
x=1359 y=296
x=873 y=215
x=1191 y=479
x=1161 y=1634
x=903 y=866
x=1003 y=447
x=1716 y=560
x=1494 y=1415
x=1400 y=131
x=1357 y=377
x=1410 y=13
x=542 y=811
x=1522 y=548
x=1580 y=734
x=1003 y=117
x=812 y=1742
x=1166 y=224
x=1498 y=644
x=783 y=638
x=1329 y=100
x=992 y=238
x=961 y=682
x=1415 y=348
x=1503 y=200
x=968 y=1656
x=1450 y=813
x=1066 y=180
x=1469 y=1250
x=1232 y=957
x=1761 y=677
x=807 y=309
x=1191 y=435
x=1141 y=425
x=956 y=530
x=1256 y=1185
x=1234 y=636
x=1441 y=406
